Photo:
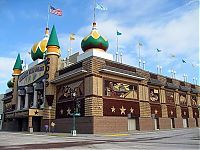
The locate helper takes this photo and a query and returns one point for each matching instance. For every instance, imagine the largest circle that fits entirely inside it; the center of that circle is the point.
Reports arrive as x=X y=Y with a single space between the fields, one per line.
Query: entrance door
x=131 y=124
x=185 y=123
x=172 y=123
x=156 y=124
x=196 y=120
x=36 y=124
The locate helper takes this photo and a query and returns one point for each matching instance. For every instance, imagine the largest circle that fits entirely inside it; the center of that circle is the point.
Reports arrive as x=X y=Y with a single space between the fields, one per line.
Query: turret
x=52 y=56
x=17 y=69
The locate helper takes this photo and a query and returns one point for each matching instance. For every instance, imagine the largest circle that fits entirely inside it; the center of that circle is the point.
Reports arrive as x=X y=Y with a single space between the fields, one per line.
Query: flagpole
x=48 y=15
x=117 y=49
x=139 y=55
x=70 y=44
x=94 y=10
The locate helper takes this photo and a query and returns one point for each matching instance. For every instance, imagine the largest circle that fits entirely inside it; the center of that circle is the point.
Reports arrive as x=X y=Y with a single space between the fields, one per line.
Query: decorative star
x=113 y=109
x=122 y=110
x=131 y=110
x=61 y=111
x=172 y=112
x=36 y=112
x=156 y=112
x=68 y=111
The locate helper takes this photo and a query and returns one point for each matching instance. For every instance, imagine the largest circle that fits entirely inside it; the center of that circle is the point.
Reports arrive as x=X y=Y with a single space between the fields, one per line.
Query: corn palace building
x=104 y=95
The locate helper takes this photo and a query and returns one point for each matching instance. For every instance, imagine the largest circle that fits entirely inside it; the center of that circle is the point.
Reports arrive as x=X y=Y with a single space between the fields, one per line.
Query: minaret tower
x=17 y=69
x=52 y=56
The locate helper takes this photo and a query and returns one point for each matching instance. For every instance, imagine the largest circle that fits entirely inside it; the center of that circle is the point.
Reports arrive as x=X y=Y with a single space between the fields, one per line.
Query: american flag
x=55 y=11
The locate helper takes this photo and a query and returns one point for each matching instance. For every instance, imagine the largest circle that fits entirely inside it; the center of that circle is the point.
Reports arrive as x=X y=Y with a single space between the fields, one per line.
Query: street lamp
x=49 y=118
x=72 y=93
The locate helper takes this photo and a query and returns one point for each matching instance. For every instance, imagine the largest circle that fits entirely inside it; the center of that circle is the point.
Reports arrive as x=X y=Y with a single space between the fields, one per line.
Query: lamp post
x=49 y=118
x=72 y=93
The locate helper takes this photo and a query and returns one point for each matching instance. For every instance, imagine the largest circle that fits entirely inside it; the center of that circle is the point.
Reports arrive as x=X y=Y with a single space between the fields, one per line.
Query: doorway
x=185 y=122
x=36 y=124
x=172 y=123
x=196 y=121
x=156 y=124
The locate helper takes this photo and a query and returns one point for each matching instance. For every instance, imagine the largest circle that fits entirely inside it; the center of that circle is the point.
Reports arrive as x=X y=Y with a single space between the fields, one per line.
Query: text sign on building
x=31 y=75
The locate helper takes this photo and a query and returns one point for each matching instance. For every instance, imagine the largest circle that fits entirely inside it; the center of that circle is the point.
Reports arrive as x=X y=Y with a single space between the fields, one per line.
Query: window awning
x=184 y=88
x=171 y=86
x=155 y=82
x=121 y=72
x=195 y=91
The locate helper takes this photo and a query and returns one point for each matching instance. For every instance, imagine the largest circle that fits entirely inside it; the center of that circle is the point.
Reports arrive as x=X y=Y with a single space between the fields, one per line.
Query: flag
x=100 y=7
x=55 y=11
x=172 y=55
x=183 y=61
x=72 y=36
x=140 y=44
x=119 y=33
x=158 y=50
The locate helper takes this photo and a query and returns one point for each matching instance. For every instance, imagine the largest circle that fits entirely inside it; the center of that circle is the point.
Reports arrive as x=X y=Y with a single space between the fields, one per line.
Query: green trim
x=10 y=84
x=90 y=42
x=37 y=55
x=53 y=39
x=18 y=63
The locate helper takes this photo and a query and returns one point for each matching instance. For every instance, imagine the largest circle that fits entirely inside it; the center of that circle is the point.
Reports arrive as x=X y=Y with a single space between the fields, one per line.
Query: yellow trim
x=17 y=72
x=53 y=49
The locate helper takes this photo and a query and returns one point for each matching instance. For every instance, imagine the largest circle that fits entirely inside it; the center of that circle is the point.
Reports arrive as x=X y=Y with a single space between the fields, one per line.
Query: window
x=194 y=100
x=170 y=97
x=120 y=90
x=154 y=94
x=183 y=100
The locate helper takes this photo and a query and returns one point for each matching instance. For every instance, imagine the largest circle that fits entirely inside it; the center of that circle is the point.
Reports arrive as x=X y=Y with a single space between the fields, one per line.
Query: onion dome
x=17 y=69
x=10 y=83
x=39 y=48
x=94 y=40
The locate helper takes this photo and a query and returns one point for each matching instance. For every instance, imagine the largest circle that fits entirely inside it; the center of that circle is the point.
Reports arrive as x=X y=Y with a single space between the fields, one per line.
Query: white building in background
x=1 y=111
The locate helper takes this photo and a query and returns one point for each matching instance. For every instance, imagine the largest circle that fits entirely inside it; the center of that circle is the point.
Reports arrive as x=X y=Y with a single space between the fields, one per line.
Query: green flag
x=158 y=50
x=119 y=33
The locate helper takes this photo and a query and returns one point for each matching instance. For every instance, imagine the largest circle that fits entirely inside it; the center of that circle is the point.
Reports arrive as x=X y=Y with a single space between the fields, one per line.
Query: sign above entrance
x=31 y=75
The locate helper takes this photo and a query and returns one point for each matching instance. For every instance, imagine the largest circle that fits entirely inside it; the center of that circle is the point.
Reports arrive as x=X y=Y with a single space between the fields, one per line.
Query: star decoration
x=122 y=110
x=131 y=110
x=113 y=109
x=36 y=112
x=68 y=111
x=61 y=111
x=172 y=112
x=156 y=112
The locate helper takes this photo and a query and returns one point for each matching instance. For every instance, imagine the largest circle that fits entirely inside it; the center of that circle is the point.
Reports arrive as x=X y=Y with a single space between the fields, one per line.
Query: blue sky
x=169 y=25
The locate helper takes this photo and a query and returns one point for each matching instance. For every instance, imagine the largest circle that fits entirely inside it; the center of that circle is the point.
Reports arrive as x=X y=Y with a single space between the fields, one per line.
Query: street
x=169 y=140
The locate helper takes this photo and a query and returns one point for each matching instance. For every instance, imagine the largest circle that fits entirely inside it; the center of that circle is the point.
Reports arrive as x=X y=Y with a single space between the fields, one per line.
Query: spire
x=47 y=32
x=53 y=40
x=18 y=63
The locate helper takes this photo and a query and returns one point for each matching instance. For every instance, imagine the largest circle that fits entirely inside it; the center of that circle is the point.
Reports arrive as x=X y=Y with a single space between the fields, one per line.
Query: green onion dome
x=38 y=50
x=10 y=83
x=94 y=40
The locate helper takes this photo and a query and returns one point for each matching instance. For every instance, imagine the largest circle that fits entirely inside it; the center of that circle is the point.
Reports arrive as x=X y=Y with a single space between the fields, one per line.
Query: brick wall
x=165 y=123
x=192 y=122
x=146 y=124
x=179 y=122
x=110 y=124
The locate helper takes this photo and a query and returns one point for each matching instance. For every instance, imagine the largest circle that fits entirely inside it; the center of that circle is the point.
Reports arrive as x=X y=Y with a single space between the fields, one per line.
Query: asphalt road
x=183 y=139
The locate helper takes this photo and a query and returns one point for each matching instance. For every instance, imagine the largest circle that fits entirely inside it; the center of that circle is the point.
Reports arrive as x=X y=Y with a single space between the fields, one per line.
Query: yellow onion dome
x=10 y=83
x=94 y=40
x=38 y=50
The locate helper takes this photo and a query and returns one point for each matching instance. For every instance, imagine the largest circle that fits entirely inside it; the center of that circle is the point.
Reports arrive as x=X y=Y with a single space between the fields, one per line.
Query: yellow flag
x=72 y=36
